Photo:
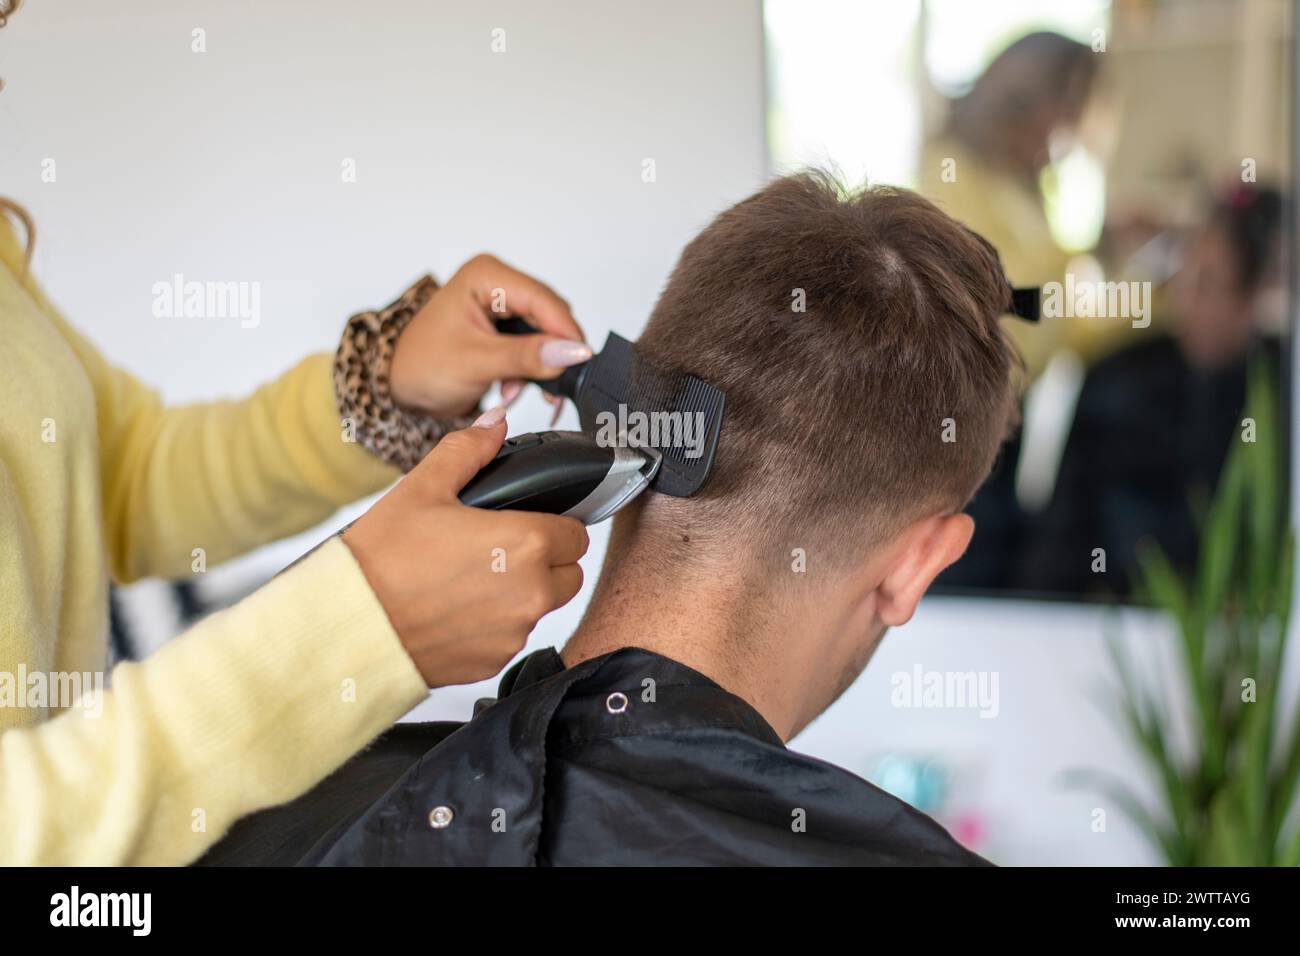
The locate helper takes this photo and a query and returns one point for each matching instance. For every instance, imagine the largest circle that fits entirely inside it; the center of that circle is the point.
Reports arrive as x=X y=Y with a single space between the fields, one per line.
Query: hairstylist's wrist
x=392 y=426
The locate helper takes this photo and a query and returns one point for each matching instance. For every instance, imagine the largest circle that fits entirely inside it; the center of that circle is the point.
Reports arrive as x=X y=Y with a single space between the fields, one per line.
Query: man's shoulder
x=715 y=795
x=633 y=759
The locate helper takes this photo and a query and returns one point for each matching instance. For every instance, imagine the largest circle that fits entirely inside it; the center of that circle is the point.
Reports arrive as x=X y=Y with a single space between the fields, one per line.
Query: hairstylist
x=256 y=704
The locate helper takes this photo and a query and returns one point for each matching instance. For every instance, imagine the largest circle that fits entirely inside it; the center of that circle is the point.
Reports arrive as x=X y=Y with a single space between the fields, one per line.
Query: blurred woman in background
x=985 y=170
x=985 y=167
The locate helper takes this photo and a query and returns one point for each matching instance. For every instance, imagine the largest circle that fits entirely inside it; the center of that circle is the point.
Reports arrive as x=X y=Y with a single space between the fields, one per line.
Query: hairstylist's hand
x=450 y=354
x=434 y=565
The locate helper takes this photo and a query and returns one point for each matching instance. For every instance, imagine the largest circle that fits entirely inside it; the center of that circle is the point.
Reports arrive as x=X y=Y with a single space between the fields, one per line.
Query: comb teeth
x=694 y=397
x=619 y=376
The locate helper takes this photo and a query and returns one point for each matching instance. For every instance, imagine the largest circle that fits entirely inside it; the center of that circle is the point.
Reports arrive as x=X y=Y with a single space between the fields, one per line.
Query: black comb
x=619 y=381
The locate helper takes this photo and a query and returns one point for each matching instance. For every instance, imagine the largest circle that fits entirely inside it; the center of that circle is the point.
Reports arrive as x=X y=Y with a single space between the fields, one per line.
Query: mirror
x=1133 y=159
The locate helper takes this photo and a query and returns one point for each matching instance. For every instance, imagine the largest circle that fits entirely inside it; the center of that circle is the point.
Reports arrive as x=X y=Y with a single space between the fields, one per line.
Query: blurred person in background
x=984 y=169
x=1154 y=422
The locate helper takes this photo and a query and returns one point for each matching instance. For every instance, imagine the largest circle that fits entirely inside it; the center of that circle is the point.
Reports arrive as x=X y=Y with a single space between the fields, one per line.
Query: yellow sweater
x=1011 y=216
x=249 y=708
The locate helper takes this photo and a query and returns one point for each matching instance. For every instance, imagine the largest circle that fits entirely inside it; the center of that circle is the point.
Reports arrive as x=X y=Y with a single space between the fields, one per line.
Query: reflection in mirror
x=1133 y=160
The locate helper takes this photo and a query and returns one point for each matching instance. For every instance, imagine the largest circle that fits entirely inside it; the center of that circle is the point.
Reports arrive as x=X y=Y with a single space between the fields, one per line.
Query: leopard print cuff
x=362 y=368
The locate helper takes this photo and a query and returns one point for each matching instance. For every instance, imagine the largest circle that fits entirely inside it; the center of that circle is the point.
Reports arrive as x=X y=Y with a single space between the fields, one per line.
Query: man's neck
x=716 y=628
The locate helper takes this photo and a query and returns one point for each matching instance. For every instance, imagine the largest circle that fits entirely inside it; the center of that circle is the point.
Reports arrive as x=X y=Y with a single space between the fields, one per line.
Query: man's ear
x=921 y=552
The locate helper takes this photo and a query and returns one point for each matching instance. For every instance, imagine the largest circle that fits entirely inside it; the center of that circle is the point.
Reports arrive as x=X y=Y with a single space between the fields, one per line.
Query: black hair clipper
x=564 y=473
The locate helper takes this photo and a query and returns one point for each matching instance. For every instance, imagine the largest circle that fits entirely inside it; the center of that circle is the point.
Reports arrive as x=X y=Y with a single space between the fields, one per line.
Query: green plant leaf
x=1263 y=462
x=1229 y=801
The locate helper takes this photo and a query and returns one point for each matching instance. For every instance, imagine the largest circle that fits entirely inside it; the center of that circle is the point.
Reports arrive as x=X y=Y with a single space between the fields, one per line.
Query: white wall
x=226 y=166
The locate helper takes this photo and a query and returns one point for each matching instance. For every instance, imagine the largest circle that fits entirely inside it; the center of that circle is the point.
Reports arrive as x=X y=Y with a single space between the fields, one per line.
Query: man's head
x=868 y=389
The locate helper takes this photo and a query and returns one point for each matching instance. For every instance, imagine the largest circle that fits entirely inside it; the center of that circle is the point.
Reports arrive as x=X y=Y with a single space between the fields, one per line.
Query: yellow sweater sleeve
x=248 y=709
x=221 y=476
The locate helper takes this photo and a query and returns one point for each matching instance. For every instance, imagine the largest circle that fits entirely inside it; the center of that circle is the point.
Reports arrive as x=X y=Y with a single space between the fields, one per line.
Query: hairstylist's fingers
x=566 y=538
x=526 y=356
x=460 y=455
x=557 y=404
x=511 y=389
x=567 y=582
x=502 y=290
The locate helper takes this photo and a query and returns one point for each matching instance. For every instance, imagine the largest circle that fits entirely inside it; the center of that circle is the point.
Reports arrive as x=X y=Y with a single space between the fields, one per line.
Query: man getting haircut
x=869 y=386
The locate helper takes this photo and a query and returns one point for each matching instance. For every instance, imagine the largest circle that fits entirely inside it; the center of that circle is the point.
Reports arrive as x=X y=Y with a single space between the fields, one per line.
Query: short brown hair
x=836 y=415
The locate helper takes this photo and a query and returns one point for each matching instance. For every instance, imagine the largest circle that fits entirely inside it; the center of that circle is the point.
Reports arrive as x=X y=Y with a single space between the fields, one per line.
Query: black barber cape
x=629 y=758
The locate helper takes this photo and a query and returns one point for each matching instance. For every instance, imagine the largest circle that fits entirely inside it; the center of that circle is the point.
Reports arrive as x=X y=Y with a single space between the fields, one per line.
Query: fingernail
x=509 y=392
x=492 y=417
x=561 y=353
